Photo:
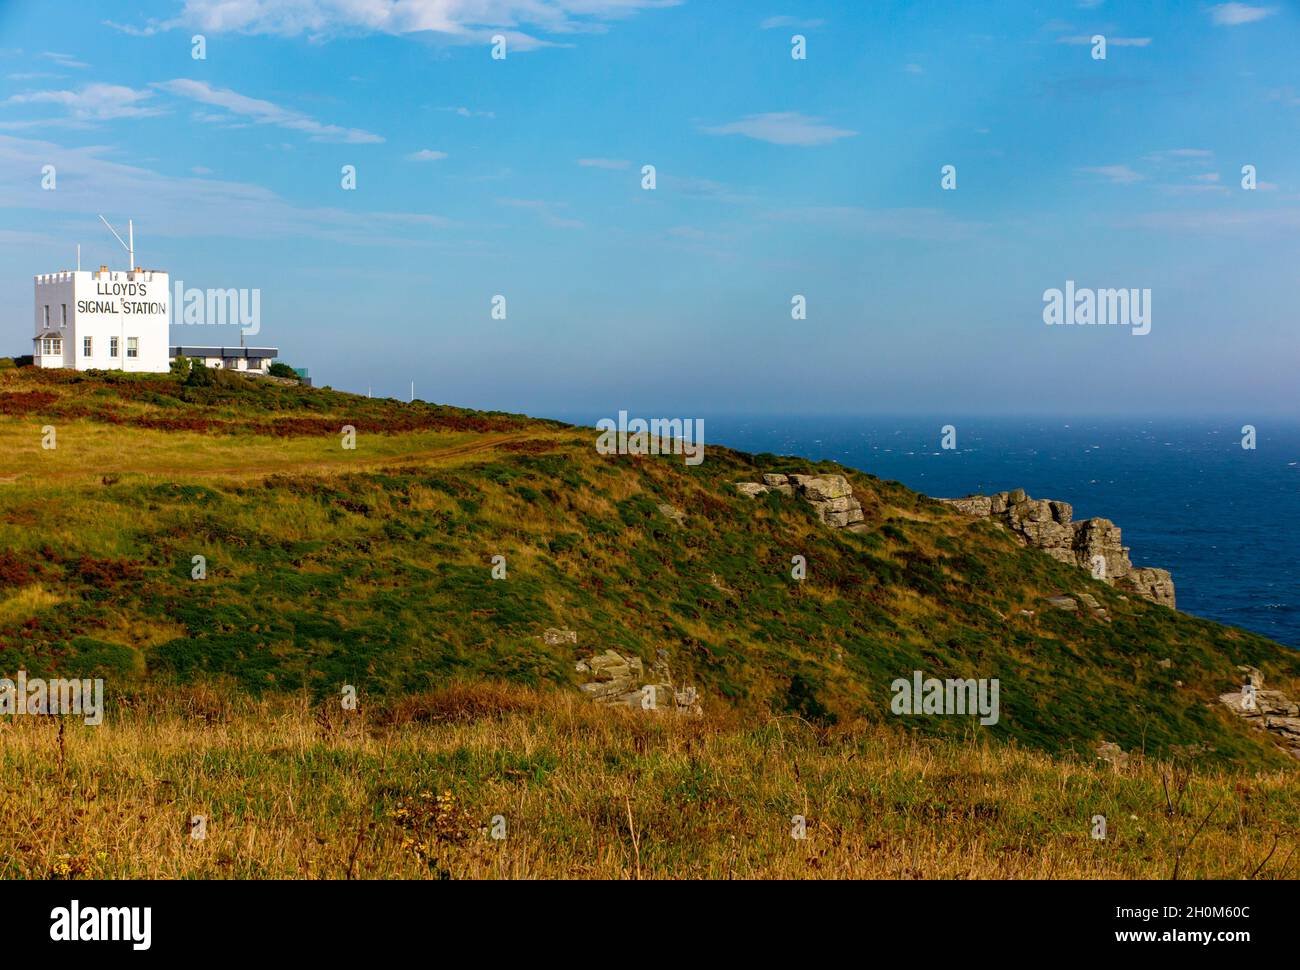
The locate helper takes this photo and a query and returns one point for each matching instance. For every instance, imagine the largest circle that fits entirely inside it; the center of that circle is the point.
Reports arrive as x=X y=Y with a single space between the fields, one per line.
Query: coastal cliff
x=1091 y=544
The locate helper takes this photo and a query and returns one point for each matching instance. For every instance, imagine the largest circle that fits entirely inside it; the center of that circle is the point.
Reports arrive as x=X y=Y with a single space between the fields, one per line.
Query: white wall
x=105 y=305
x=54 y=290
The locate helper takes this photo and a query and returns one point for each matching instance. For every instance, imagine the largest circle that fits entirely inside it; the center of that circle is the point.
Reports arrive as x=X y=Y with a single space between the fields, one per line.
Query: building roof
x=225 y=351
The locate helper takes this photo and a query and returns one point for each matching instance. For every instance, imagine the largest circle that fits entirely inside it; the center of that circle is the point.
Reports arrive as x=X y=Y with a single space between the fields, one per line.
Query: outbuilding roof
x=225 y=352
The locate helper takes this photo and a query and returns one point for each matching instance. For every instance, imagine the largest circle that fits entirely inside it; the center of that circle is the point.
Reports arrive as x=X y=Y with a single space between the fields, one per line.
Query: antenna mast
x=128 y=246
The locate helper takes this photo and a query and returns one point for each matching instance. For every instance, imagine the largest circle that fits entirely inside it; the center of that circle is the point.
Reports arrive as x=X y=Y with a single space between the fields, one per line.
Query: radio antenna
x=128 y=246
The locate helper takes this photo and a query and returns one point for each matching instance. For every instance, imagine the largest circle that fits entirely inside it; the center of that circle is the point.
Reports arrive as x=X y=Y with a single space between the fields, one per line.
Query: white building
x=106 y=320
x=250 y=360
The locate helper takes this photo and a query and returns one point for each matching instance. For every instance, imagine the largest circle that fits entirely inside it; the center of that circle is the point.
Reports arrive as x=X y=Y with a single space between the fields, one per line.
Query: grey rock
x=1092 y=544
x=674 y=513
x=620 y=681
x=831 y=496
x=1272 y=710
x=1113 y=753
x=821 y=488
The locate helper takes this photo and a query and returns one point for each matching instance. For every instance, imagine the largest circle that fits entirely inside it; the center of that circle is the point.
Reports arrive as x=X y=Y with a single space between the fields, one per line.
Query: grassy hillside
x=291 y=790
x=372 y=567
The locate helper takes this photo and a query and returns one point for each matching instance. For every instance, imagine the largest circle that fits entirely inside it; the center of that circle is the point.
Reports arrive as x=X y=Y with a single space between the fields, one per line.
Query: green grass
x=373 y=568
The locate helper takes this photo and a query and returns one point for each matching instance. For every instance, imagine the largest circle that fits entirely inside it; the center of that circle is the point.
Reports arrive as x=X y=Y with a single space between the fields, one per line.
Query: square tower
x=105 y=320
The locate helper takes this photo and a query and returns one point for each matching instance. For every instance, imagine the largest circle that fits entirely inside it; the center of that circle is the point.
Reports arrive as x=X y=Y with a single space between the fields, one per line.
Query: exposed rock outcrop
x=1091 y=544
x=1113 y=753
x=1267 y=710
x=620 y=680
x=831 y=497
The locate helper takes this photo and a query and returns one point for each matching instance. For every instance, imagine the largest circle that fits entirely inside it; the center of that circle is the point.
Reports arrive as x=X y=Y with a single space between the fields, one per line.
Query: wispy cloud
x=265 y=112
x=94 y=102
x=1230 y=220
x=933 y=225
x=1110 y=41
x=1179 y=155
x=797 y=23
x=546 y=211
x=703 y=189
x=65 y=60
x=783 y=128
x=461 y=21
x=188 y=206
x=427 y=155
x=463 y=112
x=1115 y=174
x=609 y=163
x=1236 y=14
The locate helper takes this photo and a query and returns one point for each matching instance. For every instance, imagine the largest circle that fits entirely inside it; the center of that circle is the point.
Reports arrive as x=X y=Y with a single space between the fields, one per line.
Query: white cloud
x=933 y=225
x=1236 y=14
x=264 y=112
x=783 y=128
x=796 y=22
x=427 y=155
x=1183 y=153
x=703 y=189
x=94 y=102
x=914 y=69
x=609 y=163
x=457 y=20
x=545 y=210
x=185 y=206
x=1206 y=177
x=65 y=60
x=1229 y=220
x=464 y=112
x=1110 y=41
x=1115 y=174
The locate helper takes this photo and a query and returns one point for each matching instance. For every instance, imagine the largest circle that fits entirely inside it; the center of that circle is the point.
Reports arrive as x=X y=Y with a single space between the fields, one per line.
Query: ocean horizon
x=1188 y=497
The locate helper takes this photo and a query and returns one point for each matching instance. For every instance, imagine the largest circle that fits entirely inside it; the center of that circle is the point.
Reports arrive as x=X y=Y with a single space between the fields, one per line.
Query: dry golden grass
x=291 y=791
x=86 y=451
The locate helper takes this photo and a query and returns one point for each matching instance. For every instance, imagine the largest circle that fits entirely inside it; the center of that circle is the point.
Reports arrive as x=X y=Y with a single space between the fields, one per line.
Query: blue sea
x=1224 y=520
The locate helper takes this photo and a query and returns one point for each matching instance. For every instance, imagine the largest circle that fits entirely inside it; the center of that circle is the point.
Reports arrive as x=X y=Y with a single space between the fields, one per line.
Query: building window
x=132 y=346
x=65 y=314
x=47 y=316
x=85 y=347
x=112 y=347
x=53 y=346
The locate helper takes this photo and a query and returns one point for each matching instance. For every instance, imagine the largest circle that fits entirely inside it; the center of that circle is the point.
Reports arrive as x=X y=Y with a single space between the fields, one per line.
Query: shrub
x=279 y=369
x=199 y=377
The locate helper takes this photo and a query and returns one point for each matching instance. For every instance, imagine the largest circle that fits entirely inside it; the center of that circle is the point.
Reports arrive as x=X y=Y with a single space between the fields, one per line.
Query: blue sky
x=776 y=177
